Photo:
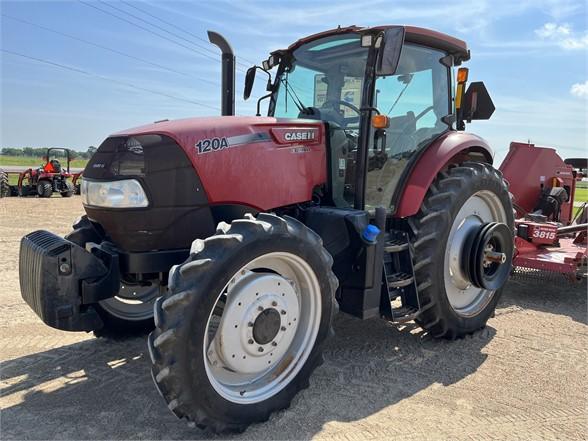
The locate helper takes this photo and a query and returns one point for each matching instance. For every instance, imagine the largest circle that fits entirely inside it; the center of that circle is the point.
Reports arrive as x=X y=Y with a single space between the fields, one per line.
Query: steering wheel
x=423 y=113
x=404 y=130
x=335 y=103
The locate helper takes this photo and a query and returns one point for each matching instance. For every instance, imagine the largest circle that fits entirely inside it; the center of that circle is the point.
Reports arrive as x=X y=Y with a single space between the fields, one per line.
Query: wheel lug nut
x=283 y=328
x=260 y=349
x=260 y=308
x=274 y=343
x=274 y=303
x=283 y=312
x=250 y=324
x=250 y=341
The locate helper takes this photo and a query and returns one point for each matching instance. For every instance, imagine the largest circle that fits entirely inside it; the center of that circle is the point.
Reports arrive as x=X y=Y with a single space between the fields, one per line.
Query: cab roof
x=413 y=34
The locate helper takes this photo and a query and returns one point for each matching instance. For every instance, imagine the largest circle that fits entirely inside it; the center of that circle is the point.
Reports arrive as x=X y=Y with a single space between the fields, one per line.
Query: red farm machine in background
x=49 y=178
x=548 y=235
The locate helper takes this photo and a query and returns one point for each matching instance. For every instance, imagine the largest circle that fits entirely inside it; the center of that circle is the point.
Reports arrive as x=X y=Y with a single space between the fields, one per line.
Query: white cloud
x=575 y=43
x=580 y=89
x=563 y=35
x=552 y=30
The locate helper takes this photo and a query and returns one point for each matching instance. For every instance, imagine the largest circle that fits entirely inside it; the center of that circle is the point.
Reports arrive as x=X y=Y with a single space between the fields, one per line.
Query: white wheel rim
x=132 y=302
x=482 y=207
x=241 y=366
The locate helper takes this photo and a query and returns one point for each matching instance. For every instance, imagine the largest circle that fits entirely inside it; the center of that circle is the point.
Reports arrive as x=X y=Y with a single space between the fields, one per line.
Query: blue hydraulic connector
x=370 y=233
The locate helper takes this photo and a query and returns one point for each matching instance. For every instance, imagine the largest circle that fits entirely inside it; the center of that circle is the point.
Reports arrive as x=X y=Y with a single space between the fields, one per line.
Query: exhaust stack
x=228 y=73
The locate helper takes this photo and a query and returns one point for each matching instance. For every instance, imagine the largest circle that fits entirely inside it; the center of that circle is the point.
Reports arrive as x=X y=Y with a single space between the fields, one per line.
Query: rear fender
x=450 y=148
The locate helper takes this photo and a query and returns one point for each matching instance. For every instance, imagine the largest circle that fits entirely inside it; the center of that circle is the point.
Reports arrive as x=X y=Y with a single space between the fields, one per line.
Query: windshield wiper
x=409 y=79
x=290 y=91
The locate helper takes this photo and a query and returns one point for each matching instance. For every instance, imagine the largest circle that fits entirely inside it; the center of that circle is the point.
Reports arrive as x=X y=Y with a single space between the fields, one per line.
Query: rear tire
x=44 y=189
x=4 y=184
x=70 y=190
x=446 y=309
x=194 y=373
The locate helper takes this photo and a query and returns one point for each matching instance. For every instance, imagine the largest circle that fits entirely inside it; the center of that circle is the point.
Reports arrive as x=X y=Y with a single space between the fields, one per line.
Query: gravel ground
x=523 y=377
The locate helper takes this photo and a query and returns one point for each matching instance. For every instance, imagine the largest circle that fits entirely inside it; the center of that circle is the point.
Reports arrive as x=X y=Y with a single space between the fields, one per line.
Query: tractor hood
x=230 y=152
x=187 y=131
x=193 y=170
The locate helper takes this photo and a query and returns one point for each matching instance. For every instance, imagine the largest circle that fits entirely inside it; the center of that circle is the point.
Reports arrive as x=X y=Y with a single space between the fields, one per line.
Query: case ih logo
x=300 y=135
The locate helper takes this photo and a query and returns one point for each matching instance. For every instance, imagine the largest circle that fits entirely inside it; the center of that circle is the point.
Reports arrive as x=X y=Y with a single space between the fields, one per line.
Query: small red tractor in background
x=49 y=178
x=549 y=238
x=236 y=239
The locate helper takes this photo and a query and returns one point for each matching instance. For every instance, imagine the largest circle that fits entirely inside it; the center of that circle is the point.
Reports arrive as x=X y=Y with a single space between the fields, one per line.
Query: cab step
x=399 y=280
x=400 y=302
x=395 y=245
x=404 y=314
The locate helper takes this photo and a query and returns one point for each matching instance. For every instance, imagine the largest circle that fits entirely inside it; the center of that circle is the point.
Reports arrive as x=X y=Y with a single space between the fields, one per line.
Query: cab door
x=415 y=98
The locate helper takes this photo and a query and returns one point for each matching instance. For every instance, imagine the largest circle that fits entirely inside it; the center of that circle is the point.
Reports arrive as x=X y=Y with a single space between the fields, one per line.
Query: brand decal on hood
x=298 y=135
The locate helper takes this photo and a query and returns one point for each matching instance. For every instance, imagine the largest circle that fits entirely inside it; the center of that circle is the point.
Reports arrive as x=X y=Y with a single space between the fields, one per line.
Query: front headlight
x=127 y=193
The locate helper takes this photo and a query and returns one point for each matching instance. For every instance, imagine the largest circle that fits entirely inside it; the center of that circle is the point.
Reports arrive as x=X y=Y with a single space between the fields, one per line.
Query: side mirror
x=477 y=103
x=249 y=80
x=389 y=51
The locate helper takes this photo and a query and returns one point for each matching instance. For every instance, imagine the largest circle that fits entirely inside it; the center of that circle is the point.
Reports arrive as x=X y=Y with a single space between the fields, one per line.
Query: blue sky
x=532 y=55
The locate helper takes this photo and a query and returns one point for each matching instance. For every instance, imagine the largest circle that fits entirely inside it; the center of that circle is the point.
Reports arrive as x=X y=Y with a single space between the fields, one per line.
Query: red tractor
x=238 y=238
x=51 y=177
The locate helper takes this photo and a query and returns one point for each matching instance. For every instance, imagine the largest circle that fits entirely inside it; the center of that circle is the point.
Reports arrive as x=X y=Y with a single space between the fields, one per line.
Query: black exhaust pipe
x=228 y=73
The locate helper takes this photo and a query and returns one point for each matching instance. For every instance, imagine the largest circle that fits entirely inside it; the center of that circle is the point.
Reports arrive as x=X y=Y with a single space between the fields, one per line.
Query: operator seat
x=56 y=165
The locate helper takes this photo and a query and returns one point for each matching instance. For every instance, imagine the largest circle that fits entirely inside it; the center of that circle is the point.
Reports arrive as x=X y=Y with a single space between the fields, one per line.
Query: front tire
x=244 y=322
x=130 y=312
x=460 y=200
x=44 y=189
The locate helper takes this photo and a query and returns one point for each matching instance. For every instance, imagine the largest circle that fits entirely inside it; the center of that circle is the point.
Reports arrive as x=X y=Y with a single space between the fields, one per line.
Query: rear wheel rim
x=133 y=302
x=482 y=207
x=247 y=356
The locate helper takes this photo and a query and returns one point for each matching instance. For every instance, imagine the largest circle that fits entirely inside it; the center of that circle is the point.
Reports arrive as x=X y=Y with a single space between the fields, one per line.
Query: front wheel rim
x=133 y=302
x=262 y=328
x=482 y=207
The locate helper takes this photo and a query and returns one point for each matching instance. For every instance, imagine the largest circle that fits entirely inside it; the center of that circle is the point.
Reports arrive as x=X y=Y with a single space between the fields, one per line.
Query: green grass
x=28 y=161
x=12 y=179
x=580 y=196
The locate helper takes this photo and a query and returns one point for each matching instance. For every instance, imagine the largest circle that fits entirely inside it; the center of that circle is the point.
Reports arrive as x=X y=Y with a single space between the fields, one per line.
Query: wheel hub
x=259 y=322
x=266 y=326
x=485 y=254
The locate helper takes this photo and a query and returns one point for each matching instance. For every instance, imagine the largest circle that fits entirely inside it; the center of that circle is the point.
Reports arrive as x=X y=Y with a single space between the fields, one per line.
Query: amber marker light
x=380 y=122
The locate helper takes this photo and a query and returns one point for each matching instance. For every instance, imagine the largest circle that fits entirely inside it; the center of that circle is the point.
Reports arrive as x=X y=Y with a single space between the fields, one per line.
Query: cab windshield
x=323 y=78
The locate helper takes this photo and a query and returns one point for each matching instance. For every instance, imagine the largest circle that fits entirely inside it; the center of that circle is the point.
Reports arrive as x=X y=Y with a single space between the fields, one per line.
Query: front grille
x=178 y=210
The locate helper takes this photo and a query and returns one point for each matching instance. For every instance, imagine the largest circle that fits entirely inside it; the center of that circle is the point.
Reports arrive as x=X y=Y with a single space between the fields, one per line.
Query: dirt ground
x=523 y=377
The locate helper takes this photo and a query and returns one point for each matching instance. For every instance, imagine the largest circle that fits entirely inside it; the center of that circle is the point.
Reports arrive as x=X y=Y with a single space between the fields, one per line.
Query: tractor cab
x=384 y=95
